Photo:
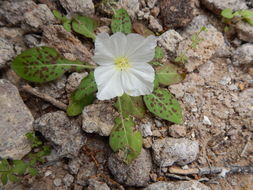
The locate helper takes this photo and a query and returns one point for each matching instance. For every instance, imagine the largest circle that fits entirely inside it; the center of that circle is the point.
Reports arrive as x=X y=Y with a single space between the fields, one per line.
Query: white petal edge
x=119 y=40
x=140 y=49
x=138 y=80
x=108 y=82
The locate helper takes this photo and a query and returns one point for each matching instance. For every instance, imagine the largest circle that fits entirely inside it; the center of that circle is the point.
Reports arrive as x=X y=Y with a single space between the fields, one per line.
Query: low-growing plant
x=233 y=16
x=195 y=41
x=122 y=73
x=11 y=170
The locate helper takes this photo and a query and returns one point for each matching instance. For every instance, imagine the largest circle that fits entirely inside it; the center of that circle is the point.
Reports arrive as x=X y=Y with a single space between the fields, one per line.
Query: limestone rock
x=84 y=7
x=179 y=185
x=134 y=174
x=15 y=121
x=99 y=118
x=168 y=151
x=65 y=134
x=6 y=52
x=243 y=55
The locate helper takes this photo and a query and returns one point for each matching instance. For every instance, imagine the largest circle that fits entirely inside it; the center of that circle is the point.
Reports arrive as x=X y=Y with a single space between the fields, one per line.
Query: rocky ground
x=216 y=96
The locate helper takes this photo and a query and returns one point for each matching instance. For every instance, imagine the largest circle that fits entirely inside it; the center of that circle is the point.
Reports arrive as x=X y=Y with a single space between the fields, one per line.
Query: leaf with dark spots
x=169 y=74
x=121 y=22
x=82 y=96
x=164 y=105
x=43 y=64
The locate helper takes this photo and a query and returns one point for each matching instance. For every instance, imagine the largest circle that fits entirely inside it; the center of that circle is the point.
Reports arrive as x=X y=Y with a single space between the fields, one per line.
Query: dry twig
x=47 y=98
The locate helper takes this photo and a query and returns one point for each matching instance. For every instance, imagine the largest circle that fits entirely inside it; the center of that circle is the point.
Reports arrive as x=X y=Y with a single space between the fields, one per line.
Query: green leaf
x=57 y=14
x=84 y=25
x=169 y=74
x=13 y=178
x=164 y=105
x=4 y=165
x=159 y=54
x=182 y=58
x=246 y=13
x=156 y=63
x=125 y=140
x=67 y=26
x=82 y=96
x=32 y=171
x=4 y=178
x=133 y=106
x=19 y=167
x=34 y=140
x=121 y=22
x=43 y=64
x=227 y=13
x=249 y=20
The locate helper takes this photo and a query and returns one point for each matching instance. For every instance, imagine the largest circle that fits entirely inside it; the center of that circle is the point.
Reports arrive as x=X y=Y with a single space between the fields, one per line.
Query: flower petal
x=108 y=82
x=104 y=47
x=138 y=80
x=119 y=41
x=140 y=49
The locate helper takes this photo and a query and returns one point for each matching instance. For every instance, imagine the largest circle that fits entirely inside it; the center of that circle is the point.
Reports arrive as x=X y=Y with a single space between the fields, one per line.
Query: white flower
x=123 y=67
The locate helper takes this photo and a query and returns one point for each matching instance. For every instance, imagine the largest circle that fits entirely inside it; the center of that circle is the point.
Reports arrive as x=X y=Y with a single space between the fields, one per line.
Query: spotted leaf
x=121 y=22
x=84 y=25
x=124 y=140
x=43 y=64
x=164 y=105
x=82 y=96
x=169 y=74
x=131 y=105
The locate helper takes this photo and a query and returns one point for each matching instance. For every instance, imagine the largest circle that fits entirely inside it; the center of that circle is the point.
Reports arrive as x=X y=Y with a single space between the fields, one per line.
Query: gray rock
x=87 y=170
x=134 y=174
x=74 y=166
x=168 y=151
x=99 y=118
x=151 y=3
x=13 y=11
x=15 y=121
x=207 y=69
x=179 y=185
x=243 y=55
x=97 y=185
x=212 y=41
x=177 y=131
x=39 y=17
x=6 y=51
x=74 y=80
x=84 y=7
x=57 y=182
x=169 y=40
x=32 y=40
x=154 y=24
x=132 y=7
x=65 y=134
x=55 y=89
x=244 y=31
x=217 y=5
x=244 y=104
x=68 y=180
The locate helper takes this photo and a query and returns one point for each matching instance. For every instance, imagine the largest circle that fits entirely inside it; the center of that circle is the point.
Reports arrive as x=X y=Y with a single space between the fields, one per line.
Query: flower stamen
x=122 y=63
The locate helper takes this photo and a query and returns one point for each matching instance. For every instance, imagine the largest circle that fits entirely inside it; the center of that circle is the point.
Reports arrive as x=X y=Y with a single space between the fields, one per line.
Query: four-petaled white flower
x=123 y=65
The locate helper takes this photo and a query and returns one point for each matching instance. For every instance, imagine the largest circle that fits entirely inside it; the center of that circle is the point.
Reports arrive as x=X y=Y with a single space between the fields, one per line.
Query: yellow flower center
x=122 y=63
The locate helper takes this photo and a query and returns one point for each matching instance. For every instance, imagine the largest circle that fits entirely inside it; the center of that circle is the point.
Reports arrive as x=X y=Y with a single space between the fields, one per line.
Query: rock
x=65 y=134
x=212 y=41
x=6 y=51
x=176 y=13
x=13 y=11
x=87 y=170
x=97 y=185
x=38 y=17
x=169 y=40
x=56 y=36
x=206 y=121
x=225 y=80
x=179 y=185
x=32 y=40
x=134 y=174
x=243 y=55
x=244 y=104
x=55 y=89
x=99 y=118
x=177 y=131
x=151 y=3
x=132 y=7
x=206 y=70
x=57 y=182
x=74 y=166
x=244 y=31
x=154 y=24
x=217 y=6
x=68 y=180
x=83 y=7
x=168 y=151
x=74 y=80
x=145 y=128
x=102 y=29
x=15 y=121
